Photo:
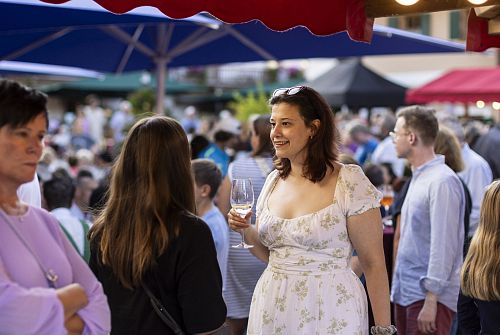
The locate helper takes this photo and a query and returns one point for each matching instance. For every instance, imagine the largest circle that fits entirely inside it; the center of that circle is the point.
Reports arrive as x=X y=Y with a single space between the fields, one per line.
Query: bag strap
x=68 y=236
x=50 y=274
x=86 y=243
x=162 y=312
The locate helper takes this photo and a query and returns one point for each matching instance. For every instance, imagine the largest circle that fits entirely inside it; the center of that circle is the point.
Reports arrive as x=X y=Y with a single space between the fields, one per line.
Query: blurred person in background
x=207 y=179
x=85 y=184
x=45 y=286
x=121 y=120
x=488 y=144
x=58 y=194
x=385 y=152
x=244 y=269
x=476 y=174
x=148 y=237
x=365 y=141
x=201 y=147
x=96 y=118
x=447 y=145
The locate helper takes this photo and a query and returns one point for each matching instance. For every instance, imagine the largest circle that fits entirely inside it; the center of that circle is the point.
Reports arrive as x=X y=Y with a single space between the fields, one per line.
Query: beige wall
x=415 y=70
x=440 y=25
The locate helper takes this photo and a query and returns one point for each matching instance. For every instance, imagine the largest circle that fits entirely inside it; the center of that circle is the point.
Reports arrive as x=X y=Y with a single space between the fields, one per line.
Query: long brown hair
x=323 y=148
x=151 y=186
x=480 y=276
x=447 y=145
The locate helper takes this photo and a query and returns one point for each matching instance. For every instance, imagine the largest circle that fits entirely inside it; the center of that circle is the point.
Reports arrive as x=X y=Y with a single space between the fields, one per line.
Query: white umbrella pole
x=161 y=71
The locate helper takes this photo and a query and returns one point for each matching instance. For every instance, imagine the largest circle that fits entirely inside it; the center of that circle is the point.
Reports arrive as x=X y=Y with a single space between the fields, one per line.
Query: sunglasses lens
x=294 y=90
x=279 y=92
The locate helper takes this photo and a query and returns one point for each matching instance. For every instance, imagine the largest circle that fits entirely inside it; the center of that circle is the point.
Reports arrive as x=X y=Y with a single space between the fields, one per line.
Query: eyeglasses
x=394 y=134
x=288 y=90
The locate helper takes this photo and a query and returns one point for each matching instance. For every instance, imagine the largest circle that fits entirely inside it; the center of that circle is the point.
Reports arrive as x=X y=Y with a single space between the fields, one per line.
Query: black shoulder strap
x=162 y=312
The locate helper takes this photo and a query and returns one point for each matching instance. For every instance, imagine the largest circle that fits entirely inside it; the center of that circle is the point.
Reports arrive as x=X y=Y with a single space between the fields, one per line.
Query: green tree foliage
x=143 y=102
x=253 y=103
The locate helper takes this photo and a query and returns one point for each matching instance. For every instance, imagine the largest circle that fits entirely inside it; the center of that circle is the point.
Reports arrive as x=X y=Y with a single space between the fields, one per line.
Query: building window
x=458 y=24
x=414 y=23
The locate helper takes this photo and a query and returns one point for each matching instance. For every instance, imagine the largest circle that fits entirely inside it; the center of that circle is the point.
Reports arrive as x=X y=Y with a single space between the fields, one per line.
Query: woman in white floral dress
x=310 y=214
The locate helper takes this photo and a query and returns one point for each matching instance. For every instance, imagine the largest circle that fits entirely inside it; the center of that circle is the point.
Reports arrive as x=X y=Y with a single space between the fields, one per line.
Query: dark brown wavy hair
x=323 y=148
x=151 y=186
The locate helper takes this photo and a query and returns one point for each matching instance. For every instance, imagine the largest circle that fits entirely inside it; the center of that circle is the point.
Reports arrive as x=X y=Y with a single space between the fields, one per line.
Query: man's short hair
x=421 y=120
x=59 y=192
x=206 y=172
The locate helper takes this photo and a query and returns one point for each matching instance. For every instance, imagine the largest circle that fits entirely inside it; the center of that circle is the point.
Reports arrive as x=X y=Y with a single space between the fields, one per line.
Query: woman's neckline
x=275 y=181
x=19 y=212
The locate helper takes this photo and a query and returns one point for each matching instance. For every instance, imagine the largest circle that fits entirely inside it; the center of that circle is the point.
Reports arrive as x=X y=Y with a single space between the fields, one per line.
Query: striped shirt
x=243 y=268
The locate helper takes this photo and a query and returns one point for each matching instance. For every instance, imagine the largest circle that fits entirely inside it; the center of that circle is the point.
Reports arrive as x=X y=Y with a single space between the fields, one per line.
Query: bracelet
x=383 y=330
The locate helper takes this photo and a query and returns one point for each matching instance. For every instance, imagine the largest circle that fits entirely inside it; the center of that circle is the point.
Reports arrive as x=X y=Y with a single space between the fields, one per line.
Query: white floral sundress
x=308 y=286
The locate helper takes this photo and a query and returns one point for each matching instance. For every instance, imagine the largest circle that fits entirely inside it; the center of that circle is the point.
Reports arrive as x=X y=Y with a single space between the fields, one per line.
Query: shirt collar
x=439 y=159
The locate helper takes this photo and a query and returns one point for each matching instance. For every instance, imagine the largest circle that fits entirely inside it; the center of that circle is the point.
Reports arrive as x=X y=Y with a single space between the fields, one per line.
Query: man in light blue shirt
x=207 y=177
x=425 y=283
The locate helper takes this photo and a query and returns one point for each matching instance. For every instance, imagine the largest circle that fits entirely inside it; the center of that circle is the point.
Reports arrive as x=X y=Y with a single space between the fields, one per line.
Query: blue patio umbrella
x=82 y=34
x=13 y=67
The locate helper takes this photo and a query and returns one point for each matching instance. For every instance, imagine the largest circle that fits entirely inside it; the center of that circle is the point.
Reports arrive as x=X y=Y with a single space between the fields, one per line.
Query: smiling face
x=289 y=132
x=20 y=149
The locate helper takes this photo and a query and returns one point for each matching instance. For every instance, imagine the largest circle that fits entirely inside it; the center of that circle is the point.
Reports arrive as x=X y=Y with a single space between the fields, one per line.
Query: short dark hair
x=421 y=120
x=84 y=173
x=20 y=104
x=388 y=123
x=323 y=148
x=359 y=129
x=222 y=136
x=374 y=174
x=206 y=172
x=198 y=144
x=59 y=192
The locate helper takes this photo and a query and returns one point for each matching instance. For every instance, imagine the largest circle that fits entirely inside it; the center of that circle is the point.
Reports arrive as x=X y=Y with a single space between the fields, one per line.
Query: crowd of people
x=124 y=225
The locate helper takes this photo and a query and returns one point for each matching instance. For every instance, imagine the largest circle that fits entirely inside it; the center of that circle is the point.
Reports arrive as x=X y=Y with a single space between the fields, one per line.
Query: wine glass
x=387 y=199
x=242 y=199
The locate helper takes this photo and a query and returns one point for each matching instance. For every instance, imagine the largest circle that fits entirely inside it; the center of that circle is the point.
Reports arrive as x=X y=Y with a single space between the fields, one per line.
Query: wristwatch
x=383 y=330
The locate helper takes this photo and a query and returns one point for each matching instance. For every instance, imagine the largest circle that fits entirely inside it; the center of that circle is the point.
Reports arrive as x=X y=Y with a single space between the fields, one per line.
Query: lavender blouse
x=27 y=304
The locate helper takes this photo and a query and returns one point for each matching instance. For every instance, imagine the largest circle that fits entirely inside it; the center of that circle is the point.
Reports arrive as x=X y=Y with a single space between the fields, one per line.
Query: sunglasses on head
x=287 y=91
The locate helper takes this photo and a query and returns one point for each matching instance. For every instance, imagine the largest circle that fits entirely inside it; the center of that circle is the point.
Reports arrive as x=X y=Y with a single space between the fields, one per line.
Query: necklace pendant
x=51 y=277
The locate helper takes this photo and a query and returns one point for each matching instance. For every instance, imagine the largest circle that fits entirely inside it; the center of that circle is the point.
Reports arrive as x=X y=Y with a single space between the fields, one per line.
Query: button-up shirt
x=432 y=235
x=477 y=175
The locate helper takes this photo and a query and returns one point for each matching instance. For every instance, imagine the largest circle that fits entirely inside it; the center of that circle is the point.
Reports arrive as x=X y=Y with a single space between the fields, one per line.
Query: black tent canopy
x=351 y=83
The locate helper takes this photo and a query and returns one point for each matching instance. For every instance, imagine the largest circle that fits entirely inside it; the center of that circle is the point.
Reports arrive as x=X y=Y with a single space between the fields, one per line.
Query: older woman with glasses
x=45 y=286
x=311 y=213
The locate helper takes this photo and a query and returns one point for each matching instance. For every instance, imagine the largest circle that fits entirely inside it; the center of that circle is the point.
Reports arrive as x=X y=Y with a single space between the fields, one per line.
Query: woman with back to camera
x=45 y=286
x=244 y=269
x=310 y=214
x=479 y=307
x=147 y=236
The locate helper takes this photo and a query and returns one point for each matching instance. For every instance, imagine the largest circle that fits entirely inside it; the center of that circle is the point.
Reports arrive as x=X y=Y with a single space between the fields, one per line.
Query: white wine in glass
x=242 y=198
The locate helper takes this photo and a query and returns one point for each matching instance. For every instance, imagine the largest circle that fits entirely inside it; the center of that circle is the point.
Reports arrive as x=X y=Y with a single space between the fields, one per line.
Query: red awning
x=468 y=85
x=321 y=17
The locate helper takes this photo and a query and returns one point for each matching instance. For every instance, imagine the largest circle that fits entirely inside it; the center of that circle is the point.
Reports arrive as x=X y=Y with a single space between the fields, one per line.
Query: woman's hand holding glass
x=242 y=198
